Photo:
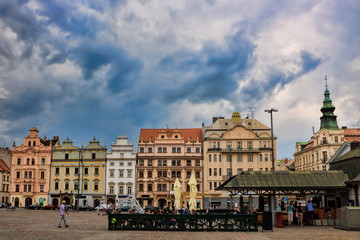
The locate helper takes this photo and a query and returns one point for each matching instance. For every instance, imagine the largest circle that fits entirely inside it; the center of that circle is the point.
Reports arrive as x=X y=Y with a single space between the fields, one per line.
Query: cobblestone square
x=42 y=224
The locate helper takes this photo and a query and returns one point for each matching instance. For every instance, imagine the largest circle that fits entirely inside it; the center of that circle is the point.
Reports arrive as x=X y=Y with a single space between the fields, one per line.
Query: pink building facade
x=31 y=170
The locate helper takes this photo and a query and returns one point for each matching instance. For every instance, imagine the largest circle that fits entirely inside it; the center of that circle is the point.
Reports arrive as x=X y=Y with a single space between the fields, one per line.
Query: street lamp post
x=272 y=136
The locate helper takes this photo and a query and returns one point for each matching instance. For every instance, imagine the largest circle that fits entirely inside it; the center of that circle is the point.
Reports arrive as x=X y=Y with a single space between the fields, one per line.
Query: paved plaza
x=42 y=224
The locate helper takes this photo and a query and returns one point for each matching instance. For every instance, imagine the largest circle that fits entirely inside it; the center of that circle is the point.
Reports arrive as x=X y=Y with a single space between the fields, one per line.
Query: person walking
x=290 y=211
x=310 y=213
x=63 y=211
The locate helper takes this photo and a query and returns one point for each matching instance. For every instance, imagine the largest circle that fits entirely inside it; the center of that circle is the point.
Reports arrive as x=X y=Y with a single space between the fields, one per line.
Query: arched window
x=34 y=143
x=29 y=143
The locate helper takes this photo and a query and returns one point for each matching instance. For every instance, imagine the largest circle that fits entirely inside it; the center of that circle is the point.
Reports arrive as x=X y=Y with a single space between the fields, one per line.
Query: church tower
x=328 y=119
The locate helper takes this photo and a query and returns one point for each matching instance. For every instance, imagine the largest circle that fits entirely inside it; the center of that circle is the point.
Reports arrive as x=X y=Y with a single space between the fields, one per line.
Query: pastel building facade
x=4 y=182
x=30 y=175
x=164 y=155
x=230 y=147
x=120 y=170
x=78 y=174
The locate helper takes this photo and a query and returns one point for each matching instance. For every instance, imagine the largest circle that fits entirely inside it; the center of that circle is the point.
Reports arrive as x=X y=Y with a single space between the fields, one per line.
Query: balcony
x=28 y=180
x=239 y=150
x=214 y=149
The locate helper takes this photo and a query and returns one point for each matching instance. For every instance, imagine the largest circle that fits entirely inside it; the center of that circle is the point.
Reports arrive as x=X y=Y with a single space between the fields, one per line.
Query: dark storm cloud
x=16 y=16
x=257 y=89
x=123 y=69
x=216 y=69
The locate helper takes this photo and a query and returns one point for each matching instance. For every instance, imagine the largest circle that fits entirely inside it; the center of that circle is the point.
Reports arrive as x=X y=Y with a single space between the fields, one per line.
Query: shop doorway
x=161 y=203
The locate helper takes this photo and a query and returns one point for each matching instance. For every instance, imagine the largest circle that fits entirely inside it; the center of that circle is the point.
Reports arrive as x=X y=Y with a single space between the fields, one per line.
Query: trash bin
x=267 y=221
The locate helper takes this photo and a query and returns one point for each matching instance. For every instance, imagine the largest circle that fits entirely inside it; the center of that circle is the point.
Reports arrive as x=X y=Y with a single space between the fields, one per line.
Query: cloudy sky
x=105 y=68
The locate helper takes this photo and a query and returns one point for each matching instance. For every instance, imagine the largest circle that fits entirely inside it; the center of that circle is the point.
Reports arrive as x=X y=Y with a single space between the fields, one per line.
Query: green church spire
x=328 y=119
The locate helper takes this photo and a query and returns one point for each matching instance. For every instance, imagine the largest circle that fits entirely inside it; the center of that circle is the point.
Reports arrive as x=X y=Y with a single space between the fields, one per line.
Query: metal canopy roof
x=285 y=182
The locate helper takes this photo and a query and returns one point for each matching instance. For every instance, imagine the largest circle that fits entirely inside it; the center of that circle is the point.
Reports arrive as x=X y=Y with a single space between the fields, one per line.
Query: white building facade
x=120 y=170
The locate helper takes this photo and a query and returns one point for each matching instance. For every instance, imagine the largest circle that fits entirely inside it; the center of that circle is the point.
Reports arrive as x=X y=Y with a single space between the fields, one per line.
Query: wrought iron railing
x=174 y=222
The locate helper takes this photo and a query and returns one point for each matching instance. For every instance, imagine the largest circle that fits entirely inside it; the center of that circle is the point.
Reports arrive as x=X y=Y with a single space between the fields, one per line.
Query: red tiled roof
x=352 y=134
x=3 y=166
x=189 y=134
x=309 y=145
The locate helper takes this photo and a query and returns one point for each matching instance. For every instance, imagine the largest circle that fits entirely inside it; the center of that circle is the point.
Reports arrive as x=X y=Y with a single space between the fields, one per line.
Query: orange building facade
x=31 y=170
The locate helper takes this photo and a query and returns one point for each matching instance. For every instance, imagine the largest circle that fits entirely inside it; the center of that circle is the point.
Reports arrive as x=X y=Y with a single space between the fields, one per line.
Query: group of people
x=295 y=212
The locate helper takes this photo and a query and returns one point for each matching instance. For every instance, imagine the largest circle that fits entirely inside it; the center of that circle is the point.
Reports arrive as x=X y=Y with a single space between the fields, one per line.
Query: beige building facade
x=30 y=175
x=316 y=153
x=231 y=146
x=4 y=182
x=164 y=155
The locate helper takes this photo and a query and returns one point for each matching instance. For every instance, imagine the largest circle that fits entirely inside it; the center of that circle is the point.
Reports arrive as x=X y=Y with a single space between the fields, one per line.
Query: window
x=250 y=158
x=96 y=171
x=141 y=149
x=86 y=186
x=266 y=157
x=56 y=185
x=228 y=145
x=42 y=174
x=129 y=173
x=150 y=149
x=159 y=149
x=121 y=173
x=25 y=188
x=178 y=149
x=239 y=145
x=141 y=174
x=93 y=155
x=17 y=174
x=121 y=164
x=219 y=171
x=164 y=150
x=121 y=155
x=173 y=150
x=175 y=174
x=149 y=187
x=229 y=172
x=336 y=139
x=239 y=158
x=141 y=187
x=149 y=174
x=141 y=162
x=188 y=149
x=229 y=158
x=250 y=144
x=188 y=174
x=17 y=188
x=149 y=162
x=209 y=157
x=215 y=185
x=129 y=164
x=28 y=161
x=129 y=190
x=111 y=189
x=42 y=161
x=111 y=173
x=86 y=171
x=66 y=185
x=76 y=185
x=210 y=172
x=33 y=161
x=219 y=158
x=210 y=185
x=176 y=162
x=215 y=171
x=215 y=157
x=261 y=157
x=76 y=171
x=188 y=162
x=162 y=162
x=197 y=162
x=266 y=169
x=41 y=188
x=121 y=189
x=112 y=164
x=197 y=173
x=197 y=150
x=29 y=188
x=96 y=186
x=19 y=161
x=66 y=156
x=67 y=171
x=250 y=169
x=162 y=187
x=162 y=174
